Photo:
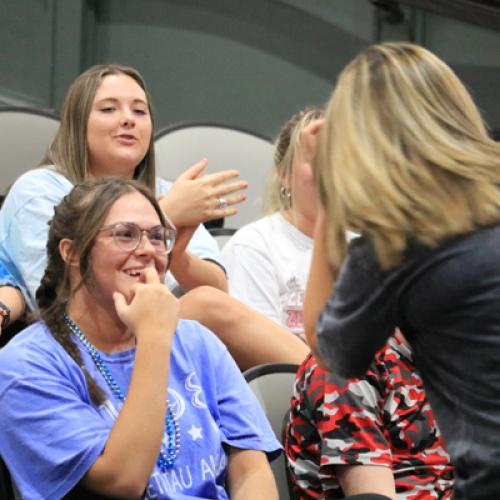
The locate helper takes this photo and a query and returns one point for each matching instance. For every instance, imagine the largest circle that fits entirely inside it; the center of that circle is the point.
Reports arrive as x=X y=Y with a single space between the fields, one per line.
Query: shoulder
x=261 y=226
x=38 y=183
x=31 y=353
x=45 y=175
x=256 y=234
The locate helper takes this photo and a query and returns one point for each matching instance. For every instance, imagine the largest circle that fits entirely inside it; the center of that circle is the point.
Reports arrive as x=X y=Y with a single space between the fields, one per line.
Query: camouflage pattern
x=381 y=419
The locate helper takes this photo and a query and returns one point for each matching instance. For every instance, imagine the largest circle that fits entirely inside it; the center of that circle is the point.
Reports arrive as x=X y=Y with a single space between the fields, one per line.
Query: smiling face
x=119 y=127
x=114 y=269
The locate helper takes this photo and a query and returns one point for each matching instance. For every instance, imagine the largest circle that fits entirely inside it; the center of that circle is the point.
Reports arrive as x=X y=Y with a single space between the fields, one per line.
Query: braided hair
x=78 y=217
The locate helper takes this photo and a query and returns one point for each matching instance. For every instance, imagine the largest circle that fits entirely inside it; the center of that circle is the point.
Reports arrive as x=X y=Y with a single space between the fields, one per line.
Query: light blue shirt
x=24 y=218
x=6 y=278
x=51 y=433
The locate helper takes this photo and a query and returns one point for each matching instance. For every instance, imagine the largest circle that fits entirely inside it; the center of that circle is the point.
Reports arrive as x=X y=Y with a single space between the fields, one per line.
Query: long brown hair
x=78 y=217
x=68 y=151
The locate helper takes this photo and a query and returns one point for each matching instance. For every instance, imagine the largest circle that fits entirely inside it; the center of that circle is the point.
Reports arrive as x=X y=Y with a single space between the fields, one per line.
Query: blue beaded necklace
x=166 y=459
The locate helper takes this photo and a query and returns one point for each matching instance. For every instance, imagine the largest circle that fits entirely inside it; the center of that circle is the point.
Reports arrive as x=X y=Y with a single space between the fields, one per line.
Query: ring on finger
x=222 y=203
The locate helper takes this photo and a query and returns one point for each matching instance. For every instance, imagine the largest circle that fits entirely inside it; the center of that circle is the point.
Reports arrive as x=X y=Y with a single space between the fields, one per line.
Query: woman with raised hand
x=268 y=260
x=404 y=159
x=107 y=130
x=110 y=393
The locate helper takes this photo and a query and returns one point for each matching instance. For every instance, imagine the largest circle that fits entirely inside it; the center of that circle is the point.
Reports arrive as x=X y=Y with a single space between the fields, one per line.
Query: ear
x=65 y=249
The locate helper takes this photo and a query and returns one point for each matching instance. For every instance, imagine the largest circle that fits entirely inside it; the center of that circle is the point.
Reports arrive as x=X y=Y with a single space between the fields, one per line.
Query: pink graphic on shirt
x=294 y=306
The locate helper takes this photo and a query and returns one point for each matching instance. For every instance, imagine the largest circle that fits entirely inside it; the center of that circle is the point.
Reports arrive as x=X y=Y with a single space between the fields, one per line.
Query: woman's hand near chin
x=124 y=467
x=195 y=197
x=153 y=310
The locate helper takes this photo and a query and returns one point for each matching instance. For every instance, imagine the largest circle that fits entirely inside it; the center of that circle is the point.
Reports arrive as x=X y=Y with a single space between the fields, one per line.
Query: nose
x=145 y=247
x=128 y=118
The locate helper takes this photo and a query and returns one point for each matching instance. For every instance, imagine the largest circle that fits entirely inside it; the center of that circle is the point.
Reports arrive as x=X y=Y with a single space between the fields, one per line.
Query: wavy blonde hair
x=68 y=150
x=404 y=155
x=285 y=148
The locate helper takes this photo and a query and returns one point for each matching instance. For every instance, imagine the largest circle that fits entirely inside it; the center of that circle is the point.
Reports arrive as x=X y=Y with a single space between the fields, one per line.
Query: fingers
x=229 y=201
x=120 y=303
x=220 y=213
x=231 y=187
x=219 y=177
x=194 y=171
x=150 y=275
x=314 y=127
x=308 y=140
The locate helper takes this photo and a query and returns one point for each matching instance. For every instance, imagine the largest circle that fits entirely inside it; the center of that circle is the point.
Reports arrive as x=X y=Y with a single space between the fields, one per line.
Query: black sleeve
x=360 y=315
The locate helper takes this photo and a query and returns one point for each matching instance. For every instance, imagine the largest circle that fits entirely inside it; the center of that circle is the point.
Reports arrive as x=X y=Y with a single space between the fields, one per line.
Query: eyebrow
x=114 y=99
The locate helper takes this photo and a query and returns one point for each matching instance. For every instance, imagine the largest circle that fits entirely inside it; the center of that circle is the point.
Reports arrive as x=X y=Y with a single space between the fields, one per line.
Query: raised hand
x=196 y=197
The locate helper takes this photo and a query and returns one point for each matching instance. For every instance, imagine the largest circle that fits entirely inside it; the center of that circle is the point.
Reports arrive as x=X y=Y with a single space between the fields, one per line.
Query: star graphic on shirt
x=195 y=432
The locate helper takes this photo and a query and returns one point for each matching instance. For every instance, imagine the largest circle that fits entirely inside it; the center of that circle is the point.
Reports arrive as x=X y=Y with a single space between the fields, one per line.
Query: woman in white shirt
x=268 y=260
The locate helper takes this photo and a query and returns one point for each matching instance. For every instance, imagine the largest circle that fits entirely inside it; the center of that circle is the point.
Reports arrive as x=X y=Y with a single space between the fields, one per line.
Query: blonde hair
x=404 y=155
x=68 y=150
x=285 y=148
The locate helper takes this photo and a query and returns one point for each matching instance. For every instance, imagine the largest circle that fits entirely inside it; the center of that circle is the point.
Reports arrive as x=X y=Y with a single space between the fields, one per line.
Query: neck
x=303 y=222
x=100 y=324
x=110 y=170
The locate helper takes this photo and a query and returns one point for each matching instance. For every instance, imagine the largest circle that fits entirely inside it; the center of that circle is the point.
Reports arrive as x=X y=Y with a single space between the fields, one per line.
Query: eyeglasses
x=127 y=236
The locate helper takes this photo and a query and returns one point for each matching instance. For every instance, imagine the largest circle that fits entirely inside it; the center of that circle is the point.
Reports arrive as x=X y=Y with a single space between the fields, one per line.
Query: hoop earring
x=285 y=197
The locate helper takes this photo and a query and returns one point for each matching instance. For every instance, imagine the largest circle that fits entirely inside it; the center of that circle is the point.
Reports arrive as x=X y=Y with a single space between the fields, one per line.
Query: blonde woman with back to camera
x=404 y=158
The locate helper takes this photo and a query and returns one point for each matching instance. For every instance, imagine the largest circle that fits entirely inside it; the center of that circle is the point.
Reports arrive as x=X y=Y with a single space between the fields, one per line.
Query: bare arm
x=252 y=339
x=319 y=283
x=357 y=479
x=191 y=271
x=250 y=476
x=14 y=300
x=126 y=463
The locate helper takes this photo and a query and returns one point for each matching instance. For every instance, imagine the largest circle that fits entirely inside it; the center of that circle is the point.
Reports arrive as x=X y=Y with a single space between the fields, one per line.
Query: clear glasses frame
x=128 y=236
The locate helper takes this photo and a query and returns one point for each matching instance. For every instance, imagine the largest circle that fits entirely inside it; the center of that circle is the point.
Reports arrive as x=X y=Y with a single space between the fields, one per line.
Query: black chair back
x=6 y=490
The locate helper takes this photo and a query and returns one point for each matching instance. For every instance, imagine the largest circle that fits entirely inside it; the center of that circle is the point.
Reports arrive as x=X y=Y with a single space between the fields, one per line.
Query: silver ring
x=222 y=203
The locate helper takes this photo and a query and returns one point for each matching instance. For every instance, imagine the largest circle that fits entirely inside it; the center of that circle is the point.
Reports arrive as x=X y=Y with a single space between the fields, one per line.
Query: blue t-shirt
x=51 y=433
x=24 y=219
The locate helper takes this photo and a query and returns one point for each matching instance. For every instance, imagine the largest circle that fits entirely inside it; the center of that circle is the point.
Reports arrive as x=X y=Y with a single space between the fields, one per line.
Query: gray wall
x=248 y=63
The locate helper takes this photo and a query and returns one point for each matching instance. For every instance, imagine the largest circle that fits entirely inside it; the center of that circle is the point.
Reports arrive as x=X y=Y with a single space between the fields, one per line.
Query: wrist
x=155 y=343
x=180 y=259
x=168 y=208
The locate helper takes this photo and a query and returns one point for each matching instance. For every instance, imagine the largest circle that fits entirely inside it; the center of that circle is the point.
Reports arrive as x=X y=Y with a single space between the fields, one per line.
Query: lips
x=126 y=138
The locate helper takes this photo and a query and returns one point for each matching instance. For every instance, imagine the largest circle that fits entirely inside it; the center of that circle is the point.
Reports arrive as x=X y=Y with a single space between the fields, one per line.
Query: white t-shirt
x=268 y=263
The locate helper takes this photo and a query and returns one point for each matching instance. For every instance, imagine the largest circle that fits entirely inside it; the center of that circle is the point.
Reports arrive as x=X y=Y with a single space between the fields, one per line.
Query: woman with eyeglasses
x=107 y=130
x=110 y=393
